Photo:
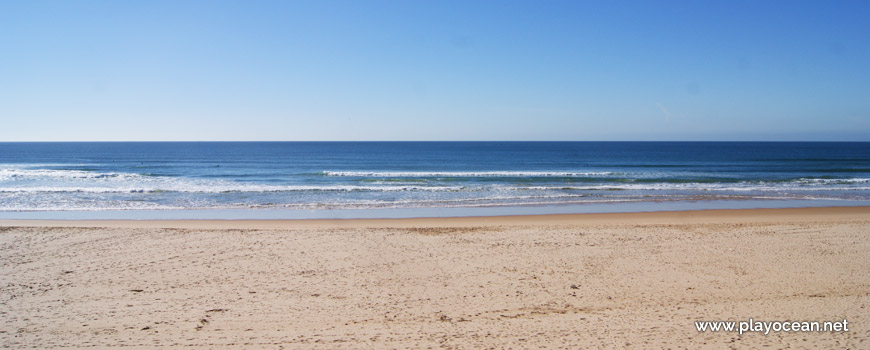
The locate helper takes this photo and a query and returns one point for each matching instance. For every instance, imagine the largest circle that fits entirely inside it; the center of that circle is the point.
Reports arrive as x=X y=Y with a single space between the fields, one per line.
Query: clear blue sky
x=434 y=70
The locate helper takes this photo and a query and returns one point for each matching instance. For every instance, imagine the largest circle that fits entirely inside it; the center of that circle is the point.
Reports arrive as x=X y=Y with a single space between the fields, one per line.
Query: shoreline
x=424 y=212
x=650 y=217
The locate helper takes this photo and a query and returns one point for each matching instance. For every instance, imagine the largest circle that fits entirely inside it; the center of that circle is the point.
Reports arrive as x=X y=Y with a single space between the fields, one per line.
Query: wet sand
x=634 y=280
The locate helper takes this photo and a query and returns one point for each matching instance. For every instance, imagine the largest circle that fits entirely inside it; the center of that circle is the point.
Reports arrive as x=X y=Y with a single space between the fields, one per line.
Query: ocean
x=294 y=177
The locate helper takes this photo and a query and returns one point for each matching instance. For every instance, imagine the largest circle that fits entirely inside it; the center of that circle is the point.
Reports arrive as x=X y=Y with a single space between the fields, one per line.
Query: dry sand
x=561 y=281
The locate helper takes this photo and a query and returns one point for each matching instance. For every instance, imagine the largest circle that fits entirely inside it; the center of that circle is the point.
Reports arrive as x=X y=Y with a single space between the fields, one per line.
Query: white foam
x=30 y=174
x=833 y=181
x=72 y=181
x=23 y=188
x=468 y=173
x=794 y=185
x=228 y=189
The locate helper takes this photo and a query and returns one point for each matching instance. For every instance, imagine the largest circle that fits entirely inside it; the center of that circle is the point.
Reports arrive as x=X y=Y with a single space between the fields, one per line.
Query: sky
x=434 y=70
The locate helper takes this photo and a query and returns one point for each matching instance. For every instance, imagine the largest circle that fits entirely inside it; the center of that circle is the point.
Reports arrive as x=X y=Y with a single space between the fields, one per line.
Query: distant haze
x=434 y=70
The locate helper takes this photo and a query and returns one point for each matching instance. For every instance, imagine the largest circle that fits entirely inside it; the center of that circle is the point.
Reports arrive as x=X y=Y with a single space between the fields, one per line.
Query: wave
x=231 y=189
x=22 y=181
x=832 y=181
x=468 y=173
x=21 y=174
x=210 y=189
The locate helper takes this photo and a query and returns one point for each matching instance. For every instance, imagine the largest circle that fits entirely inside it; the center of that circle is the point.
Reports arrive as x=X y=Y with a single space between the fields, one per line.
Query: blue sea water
x=288 y=176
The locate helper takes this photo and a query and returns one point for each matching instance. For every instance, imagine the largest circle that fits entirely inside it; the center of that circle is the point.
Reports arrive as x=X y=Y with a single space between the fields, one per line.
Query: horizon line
x=325 y=141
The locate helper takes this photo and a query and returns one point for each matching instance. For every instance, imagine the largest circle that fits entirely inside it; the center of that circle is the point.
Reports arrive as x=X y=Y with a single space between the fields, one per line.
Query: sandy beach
x=636 y=280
